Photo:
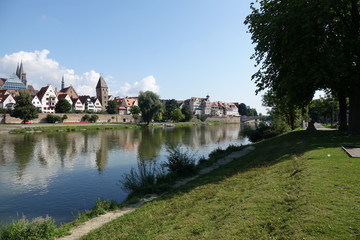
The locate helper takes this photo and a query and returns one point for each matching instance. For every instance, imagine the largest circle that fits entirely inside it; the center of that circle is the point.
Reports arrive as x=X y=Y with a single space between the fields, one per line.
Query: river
x=61 y=174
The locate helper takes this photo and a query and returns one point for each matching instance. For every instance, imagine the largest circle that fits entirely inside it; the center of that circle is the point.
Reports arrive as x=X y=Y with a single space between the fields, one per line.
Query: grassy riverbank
x=297 y=186
x=76 y=127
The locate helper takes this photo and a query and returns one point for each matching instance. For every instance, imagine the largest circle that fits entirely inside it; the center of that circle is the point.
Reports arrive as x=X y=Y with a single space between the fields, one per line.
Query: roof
x=101 y=83
x=84 y=98
x=61 y=95
x=14 y=83
x=129 y=102
x=42 y=92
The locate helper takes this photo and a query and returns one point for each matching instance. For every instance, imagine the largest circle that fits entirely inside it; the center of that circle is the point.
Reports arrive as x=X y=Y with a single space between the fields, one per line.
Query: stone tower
x=21 y=74
x=102 y=92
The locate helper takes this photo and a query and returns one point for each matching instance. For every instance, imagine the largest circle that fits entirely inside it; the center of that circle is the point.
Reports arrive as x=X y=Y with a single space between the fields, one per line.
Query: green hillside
x=301 y=185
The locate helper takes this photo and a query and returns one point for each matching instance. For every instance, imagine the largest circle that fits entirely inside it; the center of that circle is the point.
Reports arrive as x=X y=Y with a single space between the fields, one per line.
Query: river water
x=61 y=174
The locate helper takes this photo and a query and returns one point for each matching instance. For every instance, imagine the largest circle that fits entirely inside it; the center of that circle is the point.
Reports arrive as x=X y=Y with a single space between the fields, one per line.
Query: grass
x=72 y=128
x=300 y=185
x=78 y=127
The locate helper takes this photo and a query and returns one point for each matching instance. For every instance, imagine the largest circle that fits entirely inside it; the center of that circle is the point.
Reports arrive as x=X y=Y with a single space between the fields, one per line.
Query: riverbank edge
x=80 y=127
x=79 y=229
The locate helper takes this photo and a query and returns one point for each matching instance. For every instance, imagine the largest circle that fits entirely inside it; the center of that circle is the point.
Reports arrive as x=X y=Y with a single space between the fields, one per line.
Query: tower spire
x=62 y=82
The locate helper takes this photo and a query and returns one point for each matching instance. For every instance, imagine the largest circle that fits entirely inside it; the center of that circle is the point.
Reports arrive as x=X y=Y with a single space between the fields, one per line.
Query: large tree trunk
x=354 y=112
x=342 y=112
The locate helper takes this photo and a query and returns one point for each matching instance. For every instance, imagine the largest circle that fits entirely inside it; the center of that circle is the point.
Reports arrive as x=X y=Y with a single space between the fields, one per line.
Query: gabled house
x=97 y=104
x=88 y=104
x=128 y=102
x=70 y=91
x=61 y=95
x=200 y=106
x=77 y=105
x=7 y=101
x=48 y=99
x=231 y=109
x=36 y=102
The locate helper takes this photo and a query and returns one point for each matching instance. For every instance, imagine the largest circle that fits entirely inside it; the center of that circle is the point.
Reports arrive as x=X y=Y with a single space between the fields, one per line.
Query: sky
x=178 y=49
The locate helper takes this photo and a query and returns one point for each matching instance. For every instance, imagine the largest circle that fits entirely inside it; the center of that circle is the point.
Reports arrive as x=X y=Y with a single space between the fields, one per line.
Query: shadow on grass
x=270 y=152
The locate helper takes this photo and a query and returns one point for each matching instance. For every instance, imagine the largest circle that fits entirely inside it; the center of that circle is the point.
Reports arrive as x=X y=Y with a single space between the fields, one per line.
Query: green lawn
x=297 y=186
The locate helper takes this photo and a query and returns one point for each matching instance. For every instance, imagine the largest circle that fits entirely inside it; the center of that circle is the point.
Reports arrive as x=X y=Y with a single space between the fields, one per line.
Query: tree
x=62 y=106
x=150 y=105
x=177 y=115
x=112 y=107
x=24 y=109
x=251 y=112
x=302 y=46
x=187 y=113
x=135 y=111
x=170 y=106
x=242 y=109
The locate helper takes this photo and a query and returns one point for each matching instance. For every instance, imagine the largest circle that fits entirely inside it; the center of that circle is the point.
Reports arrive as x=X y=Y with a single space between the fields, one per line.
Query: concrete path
x=99 y=221
x=320 y=127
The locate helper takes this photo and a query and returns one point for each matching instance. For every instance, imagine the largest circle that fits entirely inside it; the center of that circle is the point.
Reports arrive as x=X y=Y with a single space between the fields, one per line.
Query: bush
x=85 y=118
x=179 y=162
x=93 y=118
x=52 y=118
x=39 y=228
x=64 y=117
x=264 y=130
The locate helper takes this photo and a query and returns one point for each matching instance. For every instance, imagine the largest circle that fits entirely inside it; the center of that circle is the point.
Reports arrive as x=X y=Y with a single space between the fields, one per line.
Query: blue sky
x=179 y=49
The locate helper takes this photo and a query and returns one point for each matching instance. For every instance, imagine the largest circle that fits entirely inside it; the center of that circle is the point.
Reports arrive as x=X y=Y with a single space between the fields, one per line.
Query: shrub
x=52 y=118
x=39 y=228
x=179 y=162
x=264 y=130
x=85 y=118
x=64 y=117
x=94 y=118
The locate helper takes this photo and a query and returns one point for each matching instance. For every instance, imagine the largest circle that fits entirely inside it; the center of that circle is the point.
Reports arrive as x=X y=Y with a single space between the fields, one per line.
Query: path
x=320 y=127
x=97 y=222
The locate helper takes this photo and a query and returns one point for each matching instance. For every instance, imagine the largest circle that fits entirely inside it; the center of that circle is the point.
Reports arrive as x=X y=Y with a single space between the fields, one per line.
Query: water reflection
x=62 y=165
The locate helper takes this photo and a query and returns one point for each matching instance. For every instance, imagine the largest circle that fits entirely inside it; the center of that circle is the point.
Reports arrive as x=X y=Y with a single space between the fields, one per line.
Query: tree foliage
x=302 y=46
x=187 y=113
x=112 y=107
x=150 y=105
x=170 y=106
x=176 y=115
x=24 y=109
x=62 y=106
x=242 y=109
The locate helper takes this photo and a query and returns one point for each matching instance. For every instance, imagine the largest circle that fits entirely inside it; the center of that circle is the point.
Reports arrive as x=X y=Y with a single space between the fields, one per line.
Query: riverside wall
x=228 y=119
x=72 y=118
x=104 y=118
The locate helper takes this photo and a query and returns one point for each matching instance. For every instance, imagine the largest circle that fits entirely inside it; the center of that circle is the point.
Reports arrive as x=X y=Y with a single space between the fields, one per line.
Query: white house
x=61 y=95
x=36 y=102
x=97 y=104
x=88 y=104
x=77 y=105
x=7 y=102
x=48 y=99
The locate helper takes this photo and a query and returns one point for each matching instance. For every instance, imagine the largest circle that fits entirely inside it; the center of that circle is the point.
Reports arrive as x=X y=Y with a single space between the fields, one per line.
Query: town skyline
x=177 y=50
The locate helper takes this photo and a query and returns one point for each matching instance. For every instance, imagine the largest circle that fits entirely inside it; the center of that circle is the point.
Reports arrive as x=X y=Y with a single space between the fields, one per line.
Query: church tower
x=62 y=83
x=21 y=74
x=102 y=92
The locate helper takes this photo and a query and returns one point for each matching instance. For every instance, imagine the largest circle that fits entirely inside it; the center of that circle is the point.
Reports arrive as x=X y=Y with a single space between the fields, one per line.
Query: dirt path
x=97 y=222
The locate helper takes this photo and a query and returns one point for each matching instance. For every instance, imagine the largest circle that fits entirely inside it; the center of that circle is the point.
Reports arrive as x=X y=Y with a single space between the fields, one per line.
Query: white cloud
x=42 y=70
x=146 y=84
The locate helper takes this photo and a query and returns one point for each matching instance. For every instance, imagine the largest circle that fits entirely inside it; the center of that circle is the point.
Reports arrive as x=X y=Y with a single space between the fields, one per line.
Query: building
x=97 y=104
x=6 y=100
x=102 y=93
x=14 y=83
x=70 y=91
x=87 y=103
x=48 y=99
x=21 y=74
